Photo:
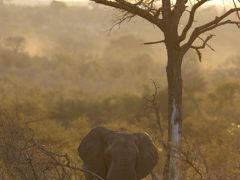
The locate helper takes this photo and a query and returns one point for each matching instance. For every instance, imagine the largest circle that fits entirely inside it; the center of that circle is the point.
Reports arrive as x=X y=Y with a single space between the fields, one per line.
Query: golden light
x=220 y=2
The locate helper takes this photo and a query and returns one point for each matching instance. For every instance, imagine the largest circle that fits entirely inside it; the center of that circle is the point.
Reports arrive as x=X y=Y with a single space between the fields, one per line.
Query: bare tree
x=167 y=16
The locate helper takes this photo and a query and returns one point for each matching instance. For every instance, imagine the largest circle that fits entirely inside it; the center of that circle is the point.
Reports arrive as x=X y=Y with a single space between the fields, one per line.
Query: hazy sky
x=33 y=2
x=47 y=1
x=218 y=3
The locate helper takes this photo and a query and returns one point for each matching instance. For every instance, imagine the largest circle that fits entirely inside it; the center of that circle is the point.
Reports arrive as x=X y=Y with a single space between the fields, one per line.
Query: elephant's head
x=117 y=155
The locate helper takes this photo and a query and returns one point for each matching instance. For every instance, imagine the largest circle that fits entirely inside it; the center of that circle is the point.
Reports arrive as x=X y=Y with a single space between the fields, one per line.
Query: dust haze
x=64 y=70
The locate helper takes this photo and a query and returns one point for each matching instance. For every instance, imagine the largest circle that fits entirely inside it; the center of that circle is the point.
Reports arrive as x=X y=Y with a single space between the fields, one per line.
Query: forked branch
x=191 y=18
x=217 y=22
x=204 y=44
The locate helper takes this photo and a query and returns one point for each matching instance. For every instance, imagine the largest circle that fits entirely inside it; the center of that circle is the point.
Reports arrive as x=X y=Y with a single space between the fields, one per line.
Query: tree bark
x=174 y=76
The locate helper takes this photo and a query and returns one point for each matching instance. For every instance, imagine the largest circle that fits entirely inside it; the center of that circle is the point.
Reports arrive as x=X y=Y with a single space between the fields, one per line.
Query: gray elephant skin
x=116 y=155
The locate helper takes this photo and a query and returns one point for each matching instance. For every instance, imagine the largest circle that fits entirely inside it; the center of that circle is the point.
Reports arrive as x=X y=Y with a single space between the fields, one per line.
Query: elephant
x=117 y=155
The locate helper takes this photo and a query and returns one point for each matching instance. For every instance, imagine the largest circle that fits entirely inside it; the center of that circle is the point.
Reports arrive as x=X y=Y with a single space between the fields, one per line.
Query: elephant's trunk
x=122 y=170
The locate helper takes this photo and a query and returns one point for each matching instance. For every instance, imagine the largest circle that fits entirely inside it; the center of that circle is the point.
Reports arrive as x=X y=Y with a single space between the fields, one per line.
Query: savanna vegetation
x=60 y=76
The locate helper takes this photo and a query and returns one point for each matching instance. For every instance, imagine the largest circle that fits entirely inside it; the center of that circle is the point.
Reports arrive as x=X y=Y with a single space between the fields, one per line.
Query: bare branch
x=154 y=42
x=237 y=23
x=191 y=18
x=204 y=44
x=32 y=167
x=189 y=155
x=125 y=17
x=218 y=21
x=138 y=8
x=179 y=8
x=235 y=5
x=207 y=39
x=67 y=164
x=154 y=104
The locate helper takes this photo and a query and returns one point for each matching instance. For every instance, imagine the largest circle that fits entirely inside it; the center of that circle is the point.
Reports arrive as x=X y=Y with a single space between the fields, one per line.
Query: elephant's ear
x=91 y=150
x=147 y=156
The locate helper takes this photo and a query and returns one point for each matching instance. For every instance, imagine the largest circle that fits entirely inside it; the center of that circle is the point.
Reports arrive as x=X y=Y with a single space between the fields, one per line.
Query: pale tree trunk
x=171 y=171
